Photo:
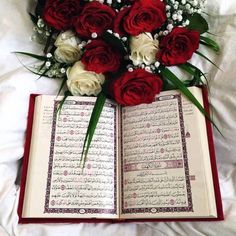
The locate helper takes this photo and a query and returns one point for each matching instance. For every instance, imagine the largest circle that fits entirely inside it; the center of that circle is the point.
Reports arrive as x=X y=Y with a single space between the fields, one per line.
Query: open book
x=146 y=162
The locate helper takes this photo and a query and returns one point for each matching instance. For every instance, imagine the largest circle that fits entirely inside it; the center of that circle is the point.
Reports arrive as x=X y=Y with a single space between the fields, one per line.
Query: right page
x=166 y=170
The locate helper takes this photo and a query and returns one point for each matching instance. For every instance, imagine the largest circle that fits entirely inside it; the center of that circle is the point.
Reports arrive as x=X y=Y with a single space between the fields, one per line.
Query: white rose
x=67 y=50
x=83 y=82
x=143 y=49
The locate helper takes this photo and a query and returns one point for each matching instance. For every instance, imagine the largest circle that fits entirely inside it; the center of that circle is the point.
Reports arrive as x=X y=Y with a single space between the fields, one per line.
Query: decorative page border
x=189 y=208
x=47 y=209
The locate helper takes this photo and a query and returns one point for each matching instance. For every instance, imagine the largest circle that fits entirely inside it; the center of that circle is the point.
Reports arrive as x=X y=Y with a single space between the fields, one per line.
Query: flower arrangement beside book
x=120 y=49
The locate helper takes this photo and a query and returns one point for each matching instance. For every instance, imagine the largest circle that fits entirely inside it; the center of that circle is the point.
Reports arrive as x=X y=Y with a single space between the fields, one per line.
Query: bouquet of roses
x=121 y=49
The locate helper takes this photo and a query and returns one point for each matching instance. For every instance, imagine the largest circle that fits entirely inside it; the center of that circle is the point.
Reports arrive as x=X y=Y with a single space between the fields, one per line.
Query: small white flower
x=179 y=12
x=82 y=82
x=157 y=63
x=40 y=23
x=187 y=6
x=49 y=55
x=176 y=6
x=175 y=16
x=63 y=70
x=168 y=7
x=165 y=32
x=156 y=36
x=180 y=18
x=187 y=22
x=195 y=3
x=190 y=11
x=94 y=35
x=48 y=64
x=84 y=43
x=124 y=39
x=148 y=69
x=170 y=27
x=143 y=49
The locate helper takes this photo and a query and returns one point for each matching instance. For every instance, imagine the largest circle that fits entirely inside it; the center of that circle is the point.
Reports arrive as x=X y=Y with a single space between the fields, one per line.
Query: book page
x=56 y=184
x=165 y=160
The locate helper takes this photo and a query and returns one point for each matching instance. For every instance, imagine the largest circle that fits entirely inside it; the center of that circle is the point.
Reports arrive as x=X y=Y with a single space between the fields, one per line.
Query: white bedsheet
x=16 y=83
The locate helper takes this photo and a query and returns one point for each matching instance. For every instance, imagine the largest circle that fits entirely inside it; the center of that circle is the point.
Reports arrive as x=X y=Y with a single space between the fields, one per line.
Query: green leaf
x=167 y=85
x=201 y=74
x=211 y=34
x=42 y=66
x=34 y=72
x=66 y=94
x=48 y=42
x=41 y=58
x=97 y=110
x=200 y=54
x=197 y=69
x=44 y=73
x=33 y=18
x=195 y=72
x=210 y=43
x=114 y=41
x=27 y=68
x=197 y=22
x=180 y=85
x=62 y=85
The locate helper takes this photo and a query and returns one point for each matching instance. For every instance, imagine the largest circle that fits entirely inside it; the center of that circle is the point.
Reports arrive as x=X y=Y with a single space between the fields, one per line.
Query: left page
x=56 y=185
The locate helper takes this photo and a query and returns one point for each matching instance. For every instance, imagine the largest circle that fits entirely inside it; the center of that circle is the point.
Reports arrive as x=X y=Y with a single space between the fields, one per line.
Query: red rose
x=100 y=57
x=144 y=16
x=136 y=87
x=178 y=46
x=59 y=14
x=95 y=18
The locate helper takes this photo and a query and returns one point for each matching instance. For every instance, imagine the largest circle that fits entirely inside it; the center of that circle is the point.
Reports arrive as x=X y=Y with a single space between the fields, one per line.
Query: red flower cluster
x=94 y=17
x=138 y=86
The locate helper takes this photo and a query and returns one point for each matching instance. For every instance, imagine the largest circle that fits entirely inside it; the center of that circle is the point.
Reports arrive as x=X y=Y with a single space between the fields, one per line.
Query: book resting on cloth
x=151 y=162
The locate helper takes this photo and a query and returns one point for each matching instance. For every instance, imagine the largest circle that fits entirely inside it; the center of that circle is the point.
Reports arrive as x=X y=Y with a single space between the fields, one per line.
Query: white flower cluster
x=176 y=9
x=41 y=32
x=51 y=69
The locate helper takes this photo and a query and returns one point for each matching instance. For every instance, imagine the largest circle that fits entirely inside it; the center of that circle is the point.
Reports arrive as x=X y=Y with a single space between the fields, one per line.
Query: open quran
x=147 y=162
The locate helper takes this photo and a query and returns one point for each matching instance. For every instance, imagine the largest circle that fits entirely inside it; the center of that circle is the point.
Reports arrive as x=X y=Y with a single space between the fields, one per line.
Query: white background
x=16 y=83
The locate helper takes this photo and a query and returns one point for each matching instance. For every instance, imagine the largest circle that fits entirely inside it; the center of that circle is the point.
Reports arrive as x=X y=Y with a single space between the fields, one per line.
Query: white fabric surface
x=16 y=83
